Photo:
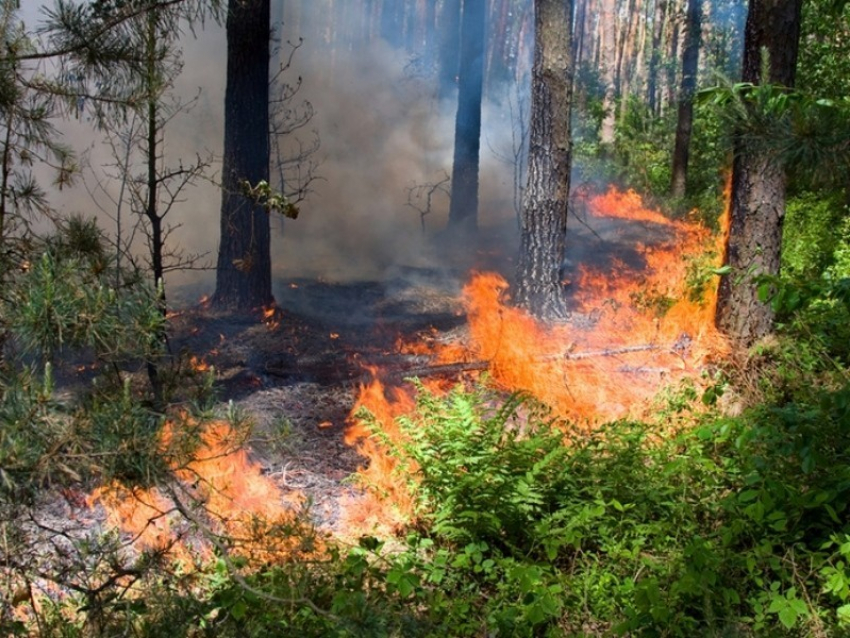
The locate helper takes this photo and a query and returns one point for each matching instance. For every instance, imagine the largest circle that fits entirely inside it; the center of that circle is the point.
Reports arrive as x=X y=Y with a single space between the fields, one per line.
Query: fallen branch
x=446 y=369
x=643 y=370
x=607 y=352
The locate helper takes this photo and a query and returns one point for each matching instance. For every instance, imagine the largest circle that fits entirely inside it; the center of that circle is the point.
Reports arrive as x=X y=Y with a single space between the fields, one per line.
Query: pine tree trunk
x=609 y=69
x=758 y=184
x=243 y=270
x=463 y=210
x=544 y=215
x=668 y=99
x=690 y=66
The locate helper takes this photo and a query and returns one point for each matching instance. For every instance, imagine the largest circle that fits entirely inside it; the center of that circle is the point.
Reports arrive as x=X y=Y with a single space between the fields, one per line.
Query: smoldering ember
x=424 y=318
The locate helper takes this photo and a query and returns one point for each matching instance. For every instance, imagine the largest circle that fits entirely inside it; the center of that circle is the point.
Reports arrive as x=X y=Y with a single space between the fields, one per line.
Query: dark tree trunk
x=243 y=271
x=757 y=208
x=544 y=214
x=449 y=47
x=690 y=65
x=463 y=210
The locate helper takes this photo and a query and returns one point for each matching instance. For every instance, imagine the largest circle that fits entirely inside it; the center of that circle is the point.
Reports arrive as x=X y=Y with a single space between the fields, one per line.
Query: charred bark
x=243 y=270
x=463 y=211
x=544 y=214
x=757 y=207
x=684 y=125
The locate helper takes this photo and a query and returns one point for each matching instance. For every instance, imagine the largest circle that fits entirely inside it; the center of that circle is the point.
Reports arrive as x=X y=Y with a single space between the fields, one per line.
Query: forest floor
x=297 y=375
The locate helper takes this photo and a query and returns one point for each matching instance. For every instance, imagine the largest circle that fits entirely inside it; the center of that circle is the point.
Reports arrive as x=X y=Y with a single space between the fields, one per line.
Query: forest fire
x=219 y=493
x=635 y=329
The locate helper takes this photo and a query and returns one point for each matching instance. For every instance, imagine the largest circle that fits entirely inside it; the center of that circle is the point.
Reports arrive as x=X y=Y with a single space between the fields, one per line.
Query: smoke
x=382 y=129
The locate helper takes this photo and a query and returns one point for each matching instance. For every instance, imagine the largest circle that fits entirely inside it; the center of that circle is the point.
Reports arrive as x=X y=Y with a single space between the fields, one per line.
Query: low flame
x=385 y=405
x=198 y=364
x=236 y=499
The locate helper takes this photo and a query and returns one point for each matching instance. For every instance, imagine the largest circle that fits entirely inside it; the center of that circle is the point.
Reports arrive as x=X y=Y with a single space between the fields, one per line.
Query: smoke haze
x=382 y=131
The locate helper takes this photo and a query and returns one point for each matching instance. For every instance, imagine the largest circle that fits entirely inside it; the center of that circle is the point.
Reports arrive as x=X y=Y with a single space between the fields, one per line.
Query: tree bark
x=544 y=215
x=684 y=125
x=609 y=70
x=463 y=210
x=243 y=270
x=655 y=55
x=757 y=206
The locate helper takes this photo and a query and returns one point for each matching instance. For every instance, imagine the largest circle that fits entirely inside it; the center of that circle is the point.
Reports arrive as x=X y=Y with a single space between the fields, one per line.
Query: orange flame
x=385 y=405
x=236 y=500
x=198 y=364
x=633 y=333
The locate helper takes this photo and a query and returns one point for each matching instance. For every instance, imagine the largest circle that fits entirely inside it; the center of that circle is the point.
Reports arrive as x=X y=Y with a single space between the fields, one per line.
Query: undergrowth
x=733 y=527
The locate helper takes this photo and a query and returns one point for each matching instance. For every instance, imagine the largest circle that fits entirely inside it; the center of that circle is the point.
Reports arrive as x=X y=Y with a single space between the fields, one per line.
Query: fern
x=483 y=471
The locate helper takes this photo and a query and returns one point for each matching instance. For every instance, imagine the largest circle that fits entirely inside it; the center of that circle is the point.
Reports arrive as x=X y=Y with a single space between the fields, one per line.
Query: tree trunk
x=668 y=92
x=655 y=55
x=757 y=208
x=463 y=210
x=579 y=32
x=544 y=215
x=690 y=66
x=609 y=69
x=243 y=271
x=449 y=47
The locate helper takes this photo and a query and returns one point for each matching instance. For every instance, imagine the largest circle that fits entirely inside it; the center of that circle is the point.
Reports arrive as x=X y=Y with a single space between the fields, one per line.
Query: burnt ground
x=297 y=374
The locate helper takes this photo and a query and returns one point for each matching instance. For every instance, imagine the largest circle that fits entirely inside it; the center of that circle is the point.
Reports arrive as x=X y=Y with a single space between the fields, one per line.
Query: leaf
x=788 y=616
x=239 y=609
x=747 y=496
x=722 y=270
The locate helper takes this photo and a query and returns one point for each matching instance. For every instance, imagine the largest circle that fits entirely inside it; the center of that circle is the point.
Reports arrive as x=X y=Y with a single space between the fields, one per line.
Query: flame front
x=633 y=332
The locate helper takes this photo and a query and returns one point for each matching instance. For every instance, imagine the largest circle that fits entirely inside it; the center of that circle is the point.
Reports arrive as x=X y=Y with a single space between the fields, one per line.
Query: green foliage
x=642 y=159
x=61 y=302
x=809 y=238
x=271 y=200
x=481 y=474
x=726 y=526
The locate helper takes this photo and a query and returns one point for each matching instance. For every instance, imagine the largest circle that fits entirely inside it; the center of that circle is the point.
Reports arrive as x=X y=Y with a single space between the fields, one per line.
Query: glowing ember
x=271 y=316
x=198 y=364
